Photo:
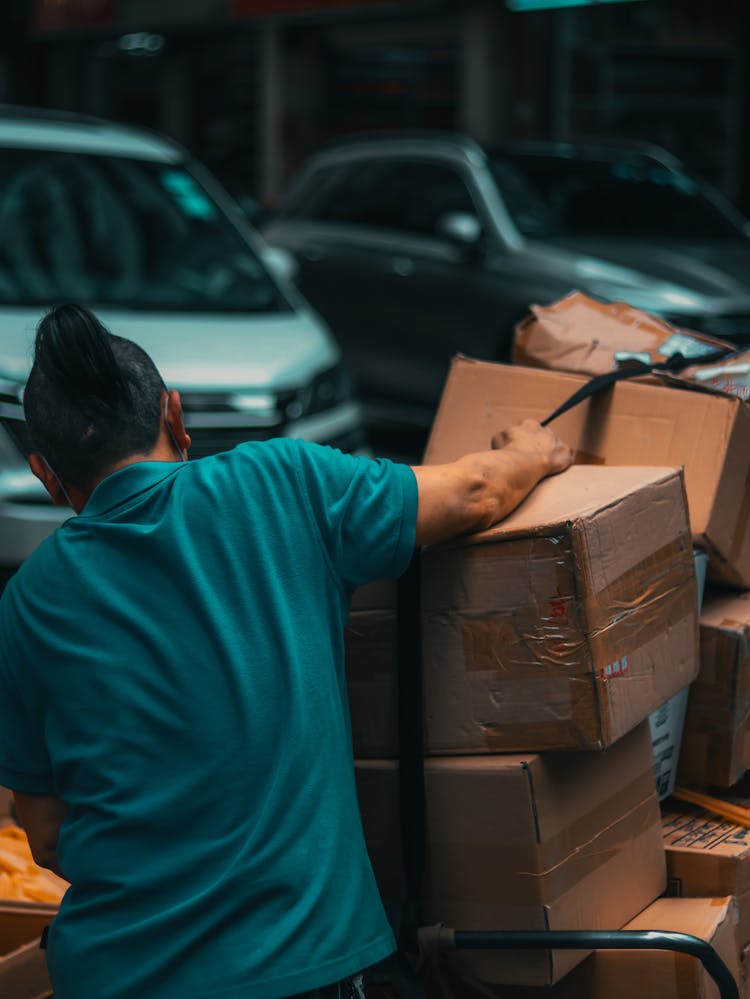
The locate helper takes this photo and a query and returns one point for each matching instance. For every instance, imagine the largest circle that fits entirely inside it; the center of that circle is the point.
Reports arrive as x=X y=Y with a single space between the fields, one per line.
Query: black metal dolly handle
x=684 y=943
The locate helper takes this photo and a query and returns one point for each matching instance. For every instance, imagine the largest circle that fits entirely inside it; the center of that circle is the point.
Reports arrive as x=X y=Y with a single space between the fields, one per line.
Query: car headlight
x=327 y=389
x=15 y=443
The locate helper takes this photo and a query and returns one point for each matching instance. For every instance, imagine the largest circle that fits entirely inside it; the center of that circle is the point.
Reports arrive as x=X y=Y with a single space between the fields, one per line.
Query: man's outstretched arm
x=478 y=490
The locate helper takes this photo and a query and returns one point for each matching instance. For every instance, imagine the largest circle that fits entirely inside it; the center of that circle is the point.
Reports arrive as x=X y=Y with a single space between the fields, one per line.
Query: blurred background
x=252 y=87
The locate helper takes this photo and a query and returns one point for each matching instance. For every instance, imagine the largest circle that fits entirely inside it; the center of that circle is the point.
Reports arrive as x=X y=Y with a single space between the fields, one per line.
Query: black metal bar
x=683 y=943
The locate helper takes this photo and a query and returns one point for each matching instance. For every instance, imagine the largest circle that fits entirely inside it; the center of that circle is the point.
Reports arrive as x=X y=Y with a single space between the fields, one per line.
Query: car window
x=407 y=195
x=559 y=196
x=112 y=231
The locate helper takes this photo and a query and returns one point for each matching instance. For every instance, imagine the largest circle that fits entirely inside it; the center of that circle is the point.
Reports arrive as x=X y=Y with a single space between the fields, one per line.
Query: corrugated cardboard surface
x=23 y=973
x=716 y=737
x=565 y=625
x=707 y=856
x=631 y=974
x=556 y=841
x=629 y=424
x=584 y=335
x=371 y=669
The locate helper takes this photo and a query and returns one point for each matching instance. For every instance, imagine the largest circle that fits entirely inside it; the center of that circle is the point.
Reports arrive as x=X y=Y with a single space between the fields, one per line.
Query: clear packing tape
x=728 y=377
x=21 y=879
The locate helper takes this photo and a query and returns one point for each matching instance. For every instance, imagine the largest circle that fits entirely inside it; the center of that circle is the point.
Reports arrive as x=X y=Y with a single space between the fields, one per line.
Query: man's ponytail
x=92 y=399
x=74 y=352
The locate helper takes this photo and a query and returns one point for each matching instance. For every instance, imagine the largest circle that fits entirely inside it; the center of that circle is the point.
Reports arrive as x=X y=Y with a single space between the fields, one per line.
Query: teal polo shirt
x=172 y=667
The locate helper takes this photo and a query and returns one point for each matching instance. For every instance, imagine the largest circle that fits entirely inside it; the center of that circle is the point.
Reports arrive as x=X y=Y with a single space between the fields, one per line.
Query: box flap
x=579 y=333
x=577 y=493
x=629 y=424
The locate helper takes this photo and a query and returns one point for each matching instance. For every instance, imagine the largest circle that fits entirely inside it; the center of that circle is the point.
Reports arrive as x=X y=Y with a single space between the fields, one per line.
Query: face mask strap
x=180 y=452
x=59 y=481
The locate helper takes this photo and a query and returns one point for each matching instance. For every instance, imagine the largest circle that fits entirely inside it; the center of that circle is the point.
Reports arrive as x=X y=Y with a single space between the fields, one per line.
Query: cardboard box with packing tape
x=552 y=841
x=707 y=433
x=716 y=736
x=563 y=627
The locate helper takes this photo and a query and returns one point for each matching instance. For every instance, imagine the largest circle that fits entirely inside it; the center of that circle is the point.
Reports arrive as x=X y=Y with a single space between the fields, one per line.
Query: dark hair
x=92 y=398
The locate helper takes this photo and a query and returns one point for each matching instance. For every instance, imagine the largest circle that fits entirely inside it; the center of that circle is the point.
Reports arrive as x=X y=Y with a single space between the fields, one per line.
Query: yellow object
x=21 y=880
x=733 y=813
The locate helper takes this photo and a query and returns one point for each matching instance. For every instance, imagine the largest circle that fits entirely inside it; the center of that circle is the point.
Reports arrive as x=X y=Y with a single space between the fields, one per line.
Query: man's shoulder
x=37 y=569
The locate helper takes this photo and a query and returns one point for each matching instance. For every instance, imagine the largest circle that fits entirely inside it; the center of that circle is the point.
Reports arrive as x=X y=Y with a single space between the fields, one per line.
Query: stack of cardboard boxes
x=551 y=645
x=23 y=969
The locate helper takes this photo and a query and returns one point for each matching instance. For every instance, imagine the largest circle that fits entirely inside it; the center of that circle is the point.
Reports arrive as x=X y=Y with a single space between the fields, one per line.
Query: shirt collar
x=125 y=483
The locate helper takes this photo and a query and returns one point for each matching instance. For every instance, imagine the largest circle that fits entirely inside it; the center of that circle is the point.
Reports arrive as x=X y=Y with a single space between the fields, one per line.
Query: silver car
x=127 y=223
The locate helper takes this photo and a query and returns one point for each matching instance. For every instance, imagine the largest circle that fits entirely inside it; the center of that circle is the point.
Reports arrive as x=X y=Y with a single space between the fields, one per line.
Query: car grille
x=220 y=421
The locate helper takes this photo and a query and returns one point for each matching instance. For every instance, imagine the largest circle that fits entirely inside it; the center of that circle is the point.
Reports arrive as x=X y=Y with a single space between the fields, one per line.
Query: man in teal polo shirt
x=173 y=712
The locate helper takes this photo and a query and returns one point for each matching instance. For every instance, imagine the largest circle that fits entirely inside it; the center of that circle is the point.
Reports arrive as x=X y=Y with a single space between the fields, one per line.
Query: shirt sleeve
x=24 y=763
x=364 y=508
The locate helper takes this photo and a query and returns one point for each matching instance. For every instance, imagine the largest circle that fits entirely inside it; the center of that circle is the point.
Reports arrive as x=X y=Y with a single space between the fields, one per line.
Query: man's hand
x=531 y=437
x=478 y=490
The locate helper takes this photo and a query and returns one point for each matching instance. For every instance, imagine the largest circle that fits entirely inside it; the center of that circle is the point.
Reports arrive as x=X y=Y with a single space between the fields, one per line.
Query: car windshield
x=558 y=197
x=113 y=231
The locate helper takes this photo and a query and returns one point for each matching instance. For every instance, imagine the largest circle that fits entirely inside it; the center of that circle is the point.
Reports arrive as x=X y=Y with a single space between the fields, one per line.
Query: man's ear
x=49 y=480
x=175 y=421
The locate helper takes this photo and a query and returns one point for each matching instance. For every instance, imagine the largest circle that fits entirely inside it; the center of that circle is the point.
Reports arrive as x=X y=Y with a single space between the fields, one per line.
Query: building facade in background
x=253 y=86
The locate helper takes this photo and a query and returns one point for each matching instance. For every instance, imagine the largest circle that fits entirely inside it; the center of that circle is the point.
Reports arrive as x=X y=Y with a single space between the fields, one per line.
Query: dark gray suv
x=415 y=247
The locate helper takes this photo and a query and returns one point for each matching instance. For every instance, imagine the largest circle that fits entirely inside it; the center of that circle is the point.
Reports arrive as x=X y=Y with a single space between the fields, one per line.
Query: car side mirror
x=463 y=229
x=281 y=263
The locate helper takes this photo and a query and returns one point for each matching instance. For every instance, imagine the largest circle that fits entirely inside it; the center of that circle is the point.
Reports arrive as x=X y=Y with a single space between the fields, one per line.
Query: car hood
x=714 y=268
x=206 y=352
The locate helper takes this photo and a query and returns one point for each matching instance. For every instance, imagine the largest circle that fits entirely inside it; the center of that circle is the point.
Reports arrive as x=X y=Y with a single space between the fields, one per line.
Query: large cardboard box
x=648 y=974
x=629 y=424
x=565 y=625
x=553 y=841
x=371 y=647
x=562 y=627
x=716 y=737
x=23 y=973
x=707 y=856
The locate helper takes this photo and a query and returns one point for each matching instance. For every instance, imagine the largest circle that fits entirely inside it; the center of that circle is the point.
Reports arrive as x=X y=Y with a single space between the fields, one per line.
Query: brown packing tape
x=582 y=716
x=527 y=646
x=555 y=637
x=666 y=566
x=621 y=639
x=517 y=874
x=577 y=706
